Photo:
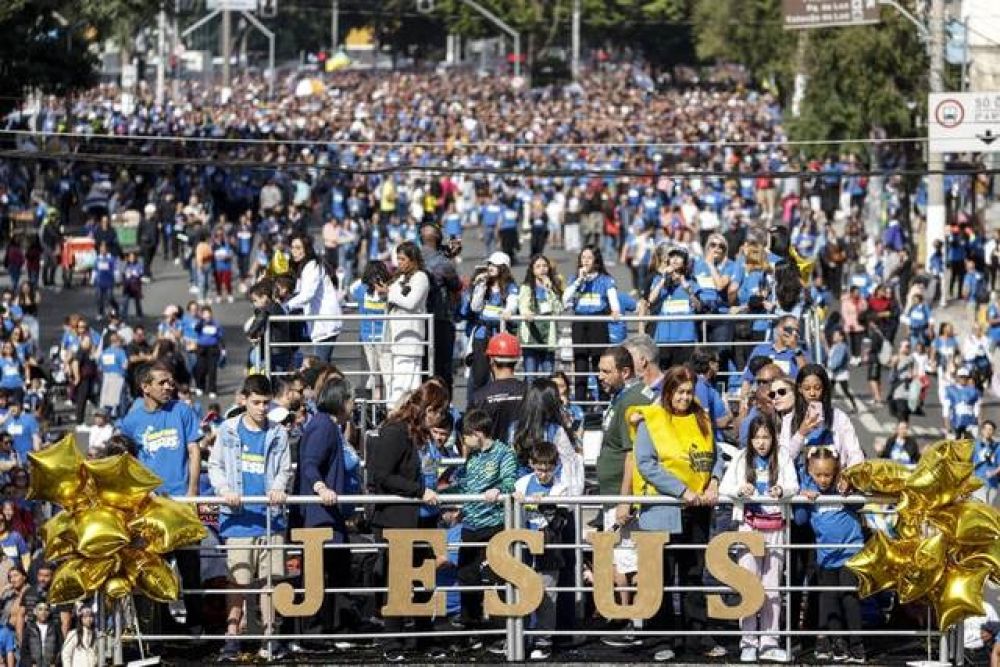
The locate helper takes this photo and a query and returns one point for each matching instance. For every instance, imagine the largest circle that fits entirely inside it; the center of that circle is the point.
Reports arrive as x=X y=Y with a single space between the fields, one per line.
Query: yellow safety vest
x=682 y=449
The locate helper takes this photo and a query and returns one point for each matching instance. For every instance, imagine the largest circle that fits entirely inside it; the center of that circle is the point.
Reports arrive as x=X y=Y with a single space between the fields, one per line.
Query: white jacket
x=736 y=475
x=78 y=656
x=316 y=295
x=408 y=336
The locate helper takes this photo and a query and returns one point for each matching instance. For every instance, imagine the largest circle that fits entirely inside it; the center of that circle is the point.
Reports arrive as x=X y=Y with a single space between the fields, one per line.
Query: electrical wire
x=459 y=144
x=257 y=165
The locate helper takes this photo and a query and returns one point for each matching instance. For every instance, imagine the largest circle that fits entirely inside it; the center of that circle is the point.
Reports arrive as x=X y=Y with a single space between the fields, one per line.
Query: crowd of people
x=682 y=187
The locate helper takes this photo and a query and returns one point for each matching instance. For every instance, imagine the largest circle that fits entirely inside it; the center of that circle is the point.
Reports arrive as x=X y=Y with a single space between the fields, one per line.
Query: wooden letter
x=312 y=574
x=649 y=580
x=403 y=573
x=744 y=582
x=508 y=567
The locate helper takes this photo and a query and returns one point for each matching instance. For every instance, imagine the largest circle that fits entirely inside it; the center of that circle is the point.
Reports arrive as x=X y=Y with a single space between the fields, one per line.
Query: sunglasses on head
x=780 y=391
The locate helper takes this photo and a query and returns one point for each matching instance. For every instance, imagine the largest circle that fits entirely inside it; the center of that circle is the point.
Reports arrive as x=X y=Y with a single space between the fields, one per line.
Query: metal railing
x=811 y=336
x=514 y=631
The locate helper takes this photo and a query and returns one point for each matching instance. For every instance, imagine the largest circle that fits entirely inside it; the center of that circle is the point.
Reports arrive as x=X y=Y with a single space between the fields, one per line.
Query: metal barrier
x=811 y=335
x=514 y=631
x=426 y=344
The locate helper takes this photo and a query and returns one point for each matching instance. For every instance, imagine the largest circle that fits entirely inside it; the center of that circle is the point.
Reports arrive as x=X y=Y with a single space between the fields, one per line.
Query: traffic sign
x=800 y=14
x=232 y=5
x=963 y=122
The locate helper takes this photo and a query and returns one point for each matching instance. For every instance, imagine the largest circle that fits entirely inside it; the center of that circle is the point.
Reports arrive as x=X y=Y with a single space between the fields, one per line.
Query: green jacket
x=617 y=441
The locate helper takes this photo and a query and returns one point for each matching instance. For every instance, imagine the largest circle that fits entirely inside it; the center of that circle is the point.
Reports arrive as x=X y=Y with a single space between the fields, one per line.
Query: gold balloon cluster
x=111 y=531
x=946 y=545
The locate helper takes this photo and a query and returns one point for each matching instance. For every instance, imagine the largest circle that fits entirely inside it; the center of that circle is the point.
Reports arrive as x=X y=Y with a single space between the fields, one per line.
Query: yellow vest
x=681 y=448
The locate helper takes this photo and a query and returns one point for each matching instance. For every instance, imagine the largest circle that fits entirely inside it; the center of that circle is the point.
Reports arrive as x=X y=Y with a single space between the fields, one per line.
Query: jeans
x=539 y=361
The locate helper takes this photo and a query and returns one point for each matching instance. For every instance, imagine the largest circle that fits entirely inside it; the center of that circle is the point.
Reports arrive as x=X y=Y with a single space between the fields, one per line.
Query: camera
x=453 y=248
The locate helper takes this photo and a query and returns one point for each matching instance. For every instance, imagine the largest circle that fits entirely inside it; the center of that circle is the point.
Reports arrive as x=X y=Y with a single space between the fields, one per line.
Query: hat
x=278 y=414
x=103 y=412
x=963 y=373
x=499 y=259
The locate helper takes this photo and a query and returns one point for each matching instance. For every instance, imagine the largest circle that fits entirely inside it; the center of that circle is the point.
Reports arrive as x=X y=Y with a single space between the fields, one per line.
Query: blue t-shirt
x=22 y=430
x=453 y=225
x=762 y=478
x=706 y=292
x=674 y=300
x=984 y=460
x=8 y=642
x=244 y=241
x=536 y=521
x=209 y=333
x=250 y=520
x=113 y=360
x=369 y=303
x=10 y=374
x=222 y=257
x=592 y=295
x=784 y=359
x=104 y=271
x=490 y=215
x=709 y=399
x=993 y=313
x=14 y=546
x=162 y=438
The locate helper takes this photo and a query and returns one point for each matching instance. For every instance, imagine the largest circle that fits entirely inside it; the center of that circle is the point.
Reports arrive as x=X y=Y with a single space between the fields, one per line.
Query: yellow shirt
x=682 y=449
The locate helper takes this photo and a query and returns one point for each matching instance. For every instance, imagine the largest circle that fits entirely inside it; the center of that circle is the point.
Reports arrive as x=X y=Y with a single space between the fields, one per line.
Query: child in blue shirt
x=833 y=524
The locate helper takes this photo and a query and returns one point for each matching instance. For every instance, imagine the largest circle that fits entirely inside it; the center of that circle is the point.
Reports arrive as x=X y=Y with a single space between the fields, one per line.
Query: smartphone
x=816 y=408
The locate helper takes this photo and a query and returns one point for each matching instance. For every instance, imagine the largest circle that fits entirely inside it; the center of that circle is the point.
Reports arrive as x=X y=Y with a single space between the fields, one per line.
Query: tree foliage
x=863 y=78
x=47 y=44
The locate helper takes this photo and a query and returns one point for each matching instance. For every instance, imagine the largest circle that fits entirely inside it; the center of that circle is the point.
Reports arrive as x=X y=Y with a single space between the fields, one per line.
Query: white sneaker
x=773 y=654
x=212 y=395
x=177 y=261
x=193 y=289
x=664 y=655
x=749 y=654
x=230 y=299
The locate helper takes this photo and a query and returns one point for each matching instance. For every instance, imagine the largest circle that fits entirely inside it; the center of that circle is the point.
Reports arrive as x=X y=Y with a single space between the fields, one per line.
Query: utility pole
x=935 y=226
x=227 y=41
x=334 y=26
x=576 y=40
x=161 y=54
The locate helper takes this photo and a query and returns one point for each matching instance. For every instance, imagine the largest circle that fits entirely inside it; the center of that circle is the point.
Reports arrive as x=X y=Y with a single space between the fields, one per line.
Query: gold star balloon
x=946 y=545
x=111 y=531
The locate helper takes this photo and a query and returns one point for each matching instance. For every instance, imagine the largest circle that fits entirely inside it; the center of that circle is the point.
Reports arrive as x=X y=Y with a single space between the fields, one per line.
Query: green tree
x=747 y=32
x=863 y=78
x=47 y=44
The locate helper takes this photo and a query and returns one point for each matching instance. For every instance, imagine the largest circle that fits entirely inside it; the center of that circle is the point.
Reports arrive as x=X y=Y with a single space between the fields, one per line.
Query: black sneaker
x=823 y=649
x=622 y=640
x=230 y=651
x=499 y=647
x=856 y=655
x=394 y=656
x=436 y=654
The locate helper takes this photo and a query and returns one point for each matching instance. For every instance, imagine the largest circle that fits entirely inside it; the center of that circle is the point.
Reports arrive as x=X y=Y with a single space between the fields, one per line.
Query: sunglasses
x=790 y=331
x=716 y=244
x=780 y=391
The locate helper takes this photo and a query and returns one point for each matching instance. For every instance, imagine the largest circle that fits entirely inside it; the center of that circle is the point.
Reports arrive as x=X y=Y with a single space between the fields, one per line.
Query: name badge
x=16 y=429
x=107 y=359
x=706 y=282
x=590 y=299
x=104 y=266
x=544 y=308
x=676 y=307
x=784 y=364
x=492 y=312
x=210 y=330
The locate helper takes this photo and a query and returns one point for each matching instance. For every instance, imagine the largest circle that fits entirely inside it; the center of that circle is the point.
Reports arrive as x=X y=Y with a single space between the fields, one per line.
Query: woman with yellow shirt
x=675 y=455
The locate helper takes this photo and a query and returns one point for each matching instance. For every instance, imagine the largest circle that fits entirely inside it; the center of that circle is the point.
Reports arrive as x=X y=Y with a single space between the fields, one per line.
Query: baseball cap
x=277 y=414
x=963 y=373
x=499 y=259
